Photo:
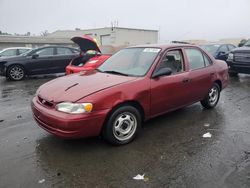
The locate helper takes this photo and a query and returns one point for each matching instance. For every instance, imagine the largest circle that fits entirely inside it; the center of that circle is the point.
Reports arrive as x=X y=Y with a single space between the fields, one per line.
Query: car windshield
x=130 y=61
x=247 y=43
x=211 y=48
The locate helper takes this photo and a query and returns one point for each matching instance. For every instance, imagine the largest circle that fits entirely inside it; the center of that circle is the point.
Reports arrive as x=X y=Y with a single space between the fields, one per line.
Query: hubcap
x=124 y=126
x=213 y=95
x=16 y=73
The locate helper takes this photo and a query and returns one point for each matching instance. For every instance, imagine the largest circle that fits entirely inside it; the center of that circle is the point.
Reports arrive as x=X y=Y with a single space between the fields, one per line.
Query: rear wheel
x=212 y=97
x=122 y=125
x=15 y=72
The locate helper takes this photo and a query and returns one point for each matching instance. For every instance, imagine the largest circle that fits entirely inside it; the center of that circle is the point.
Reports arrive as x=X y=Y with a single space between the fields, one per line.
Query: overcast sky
x=175 y=19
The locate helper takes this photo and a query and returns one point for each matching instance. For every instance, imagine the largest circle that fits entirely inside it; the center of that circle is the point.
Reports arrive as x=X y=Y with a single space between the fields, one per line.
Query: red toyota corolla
x=133 y=85
x=86 y=61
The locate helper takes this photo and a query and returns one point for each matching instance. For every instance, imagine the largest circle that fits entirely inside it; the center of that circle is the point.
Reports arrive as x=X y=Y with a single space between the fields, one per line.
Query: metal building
x=115 y=36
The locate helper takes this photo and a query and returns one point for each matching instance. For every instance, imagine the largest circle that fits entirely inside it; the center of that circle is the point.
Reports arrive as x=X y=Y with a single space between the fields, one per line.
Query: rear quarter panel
x=221 y=68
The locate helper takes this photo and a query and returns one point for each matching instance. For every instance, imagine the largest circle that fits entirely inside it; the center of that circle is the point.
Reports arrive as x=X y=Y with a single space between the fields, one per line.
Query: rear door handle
x=186 y=80
x=212 y=73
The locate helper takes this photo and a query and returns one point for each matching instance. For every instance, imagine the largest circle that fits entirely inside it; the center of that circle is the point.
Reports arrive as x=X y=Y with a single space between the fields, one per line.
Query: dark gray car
x=43 y=60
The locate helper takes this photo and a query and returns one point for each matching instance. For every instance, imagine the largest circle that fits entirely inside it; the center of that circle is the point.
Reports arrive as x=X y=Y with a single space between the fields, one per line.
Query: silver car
x=15 y=51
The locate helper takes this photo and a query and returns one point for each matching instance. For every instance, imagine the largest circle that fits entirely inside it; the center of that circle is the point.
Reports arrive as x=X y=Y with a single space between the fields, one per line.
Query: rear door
x=170 y=92
x=63 y=57
x=201 y=73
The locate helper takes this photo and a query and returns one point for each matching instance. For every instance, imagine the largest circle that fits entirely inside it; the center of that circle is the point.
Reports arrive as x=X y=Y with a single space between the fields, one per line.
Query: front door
x=41 y=61
x=170 y=92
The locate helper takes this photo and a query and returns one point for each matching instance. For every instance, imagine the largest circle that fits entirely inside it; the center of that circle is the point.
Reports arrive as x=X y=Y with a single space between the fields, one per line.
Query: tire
x=212 y=97
x=16 y=72
x=122 y=125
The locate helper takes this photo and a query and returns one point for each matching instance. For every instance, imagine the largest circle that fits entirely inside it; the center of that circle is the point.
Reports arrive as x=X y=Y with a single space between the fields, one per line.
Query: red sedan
x=133 y=85
x=90 y=57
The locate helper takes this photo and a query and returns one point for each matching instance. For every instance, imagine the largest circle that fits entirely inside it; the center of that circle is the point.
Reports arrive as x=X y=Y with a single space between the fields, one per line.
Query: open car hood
x=86 y=43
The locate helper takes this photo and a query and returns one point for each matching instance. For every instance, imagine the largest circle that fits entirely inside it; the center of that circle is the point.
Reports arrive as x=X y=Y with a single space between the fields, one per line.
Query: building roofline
x=106 y=28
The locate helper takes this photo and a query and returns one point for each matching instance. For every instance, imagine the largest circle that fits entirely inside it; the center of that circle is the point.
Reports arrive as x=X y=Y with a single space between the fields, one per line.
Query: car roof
x=16 y=48
x=163 y=46
x=216 y=44
x=54 y=46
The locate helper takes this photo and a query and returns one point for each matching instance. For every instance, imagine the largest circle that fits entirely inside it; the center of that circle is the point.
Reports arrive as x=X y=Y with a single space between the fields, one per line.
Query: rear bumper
x=68 y=125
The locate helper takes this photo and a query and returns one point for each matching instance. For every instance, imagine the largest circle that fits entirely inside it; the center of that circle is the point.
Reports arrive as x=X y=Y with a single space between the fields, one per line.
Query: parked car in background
x=239 y=60
x=218 y=51
x=133 y=85
x=89 y=58
x=15 y=51
x=43 y=60
x=242 y=42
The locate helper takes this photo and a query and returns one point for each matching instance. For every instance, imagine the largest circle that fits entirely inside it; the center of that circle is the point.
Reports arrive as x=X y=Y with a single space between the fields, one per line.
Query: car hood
x=86 y=43
x=77 y=86
x=241 y=49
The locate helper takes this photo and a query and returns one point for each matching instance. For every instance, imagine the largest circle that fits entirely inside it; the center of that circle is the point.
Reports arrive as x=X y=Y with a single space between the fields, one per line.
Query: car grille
x=242 y=57
x=45 y=102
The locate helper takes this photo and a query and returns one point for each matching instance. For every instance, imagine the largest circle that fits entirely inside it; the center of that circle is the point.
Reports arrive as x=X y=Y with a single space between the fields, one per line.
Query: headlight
x=230 y=57
x=74 y=108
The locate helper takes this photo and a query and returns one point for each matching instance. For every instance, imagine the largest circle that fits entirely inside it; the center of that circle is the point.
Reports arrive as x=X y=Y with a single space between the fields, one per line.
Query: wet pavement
x=170 y=149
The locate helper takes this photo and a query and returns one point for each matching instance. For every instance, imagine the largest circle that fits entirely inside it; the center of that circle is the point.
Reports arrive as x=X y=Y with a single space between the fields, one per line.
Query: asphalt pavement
x=170 y=150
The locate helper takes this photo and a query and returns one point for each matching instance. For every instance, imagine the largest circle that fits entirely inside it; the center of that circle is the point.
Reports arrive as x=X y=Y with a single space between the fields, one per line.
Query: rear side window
x=195 y=58
x=64 y=51
x=207 y=61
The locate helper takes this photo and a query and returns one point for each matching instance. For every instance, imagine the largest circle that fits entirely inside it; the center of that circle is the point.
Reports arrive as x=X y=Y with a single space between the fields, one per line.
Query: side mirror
x=34 y=56
x=221 y=53
x=162 y=72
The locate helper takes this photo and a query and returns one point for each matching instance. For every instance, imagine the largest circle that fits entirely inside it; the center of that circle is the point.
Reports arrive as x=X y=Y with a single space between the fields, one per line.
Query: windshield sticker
x=151 y=50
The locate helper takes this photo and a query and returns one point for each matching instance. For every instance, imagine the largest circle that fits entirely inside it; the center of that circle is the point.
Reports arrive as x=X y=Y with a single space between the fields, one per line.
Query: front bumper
x=238 y=67
x=68 y=125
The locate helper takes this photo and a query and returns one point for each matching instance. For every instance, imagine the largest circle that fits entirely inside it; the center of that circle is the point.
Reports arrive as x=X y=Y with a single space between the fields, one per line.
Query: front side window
x=130 y=61
x=207 y=60
x=247 y=43
x=45 y=52
x=63 y=51
x=223 y=48
x=195 y=58
x=172 y=59
x=230 y=47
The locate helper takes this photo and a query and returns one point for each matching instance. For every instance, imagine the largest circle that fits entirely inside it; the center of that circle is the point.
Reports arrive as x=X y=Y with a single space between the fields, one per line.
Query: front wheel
x=212 y=97
x=122 y=125
x=15 y=72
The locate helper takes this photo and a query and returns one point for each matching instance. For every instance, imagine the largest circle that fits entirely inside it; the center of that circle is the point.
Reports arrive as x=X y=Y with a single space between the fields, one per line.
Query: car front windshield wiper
x=247 y=45
x=115 y=72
